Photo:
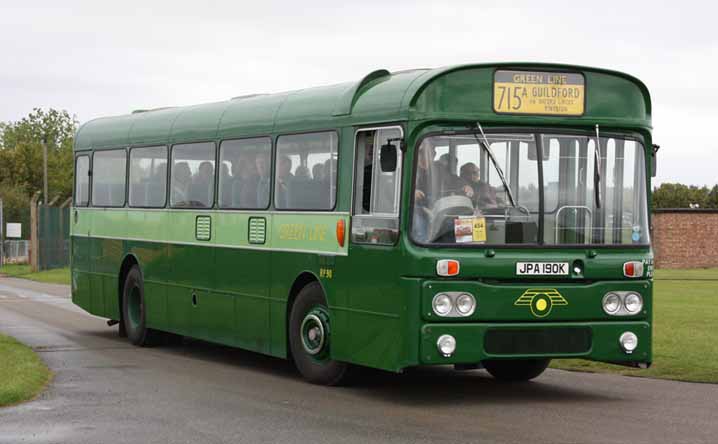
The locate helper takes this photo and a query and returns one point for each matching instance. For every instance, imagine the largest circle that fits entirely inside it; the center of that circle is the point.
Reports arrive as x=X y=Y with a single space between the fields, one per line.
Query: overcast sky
x=99 y=58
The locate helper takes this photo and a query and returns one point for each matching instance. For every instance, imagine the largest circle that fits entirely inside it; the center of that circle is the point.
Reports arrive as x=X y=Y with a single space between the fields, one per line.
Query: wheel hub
x=315 y=332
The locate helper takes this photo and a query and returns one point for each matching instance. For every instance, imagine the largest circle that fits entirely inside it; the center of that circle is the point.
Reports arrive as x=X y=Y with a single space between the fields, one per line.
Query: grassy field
x=700 y=274
x=56 y=276
x=685 y=330
x=22 y=373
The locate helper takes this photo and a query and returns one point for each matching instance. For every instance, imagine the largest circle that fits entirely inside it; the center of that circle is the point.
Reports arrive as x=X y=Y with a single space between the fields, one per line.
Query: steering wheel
x=452 y=191
x=445 y=209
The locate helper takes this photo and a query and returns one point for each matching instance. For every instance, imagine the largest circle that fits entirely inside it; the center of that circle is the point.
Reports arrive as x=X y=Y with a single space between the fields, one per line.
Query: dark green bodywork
x=379 y=296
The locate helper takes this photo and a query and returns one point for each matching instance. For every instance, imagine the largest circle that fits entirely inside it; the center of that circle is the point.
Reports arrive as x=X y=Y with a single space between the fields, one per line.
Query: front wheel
x=516 y=369
x=310 y=338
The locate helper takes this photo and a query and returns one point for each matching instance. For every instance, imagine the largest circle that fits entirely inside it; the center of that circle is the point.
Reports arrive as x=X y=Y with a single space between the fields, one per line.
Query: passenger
x=424 y=191
x=225 y=176
x=484 y=194
x=263 y=184
x=302 y=172
x=330 y=170
x=181 y=180
x=226 y=180
x=284 y=179
x=318 y=172
x=368 y=170
x=330 y=176
x=423 y=195
x=158 y=185
x=203 y=185
x=244 y=190
x=451 y=184
x=160 y=174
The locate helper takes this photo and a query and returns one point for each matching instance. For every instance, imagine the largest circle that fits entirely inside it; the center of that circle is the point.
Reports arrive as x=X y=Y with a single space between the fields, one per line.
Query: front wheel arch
x=316 y=365
x=302 y=280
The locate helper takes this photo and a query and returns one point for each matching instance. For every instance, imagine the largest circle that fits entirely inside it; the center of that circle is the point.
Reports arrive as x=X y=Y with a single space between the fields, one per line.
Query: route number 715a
x=509 y=98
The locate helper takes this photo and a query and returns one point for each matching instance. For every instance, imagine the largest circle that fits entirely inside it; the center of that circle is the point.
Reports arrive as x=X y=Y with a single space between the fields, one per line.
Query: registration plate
x=539 y=92
x=542 y=268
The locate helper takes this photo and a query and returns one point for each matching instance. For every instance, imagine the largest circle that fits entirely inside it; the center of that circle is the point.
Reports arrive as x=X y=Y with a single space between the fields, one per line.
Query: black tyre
x=310 y=338
x=516 y=369
x=134 y=309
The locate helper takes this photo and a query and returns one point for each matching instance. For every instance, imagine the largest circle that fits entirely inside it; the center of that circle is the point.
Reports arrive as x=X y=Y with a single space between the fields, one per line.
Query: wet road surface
x=107 y=391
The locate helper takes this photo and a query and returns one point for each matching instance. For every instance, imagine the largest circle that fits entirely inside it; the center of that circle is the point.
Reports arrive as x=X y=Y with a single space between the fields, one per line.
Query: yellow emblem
x=541 y=300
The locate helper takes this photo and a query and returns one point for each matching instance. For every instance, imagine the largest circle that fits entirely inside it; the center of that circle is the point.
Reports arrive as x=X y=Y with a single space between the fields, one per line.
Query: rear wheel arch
x=129 y=261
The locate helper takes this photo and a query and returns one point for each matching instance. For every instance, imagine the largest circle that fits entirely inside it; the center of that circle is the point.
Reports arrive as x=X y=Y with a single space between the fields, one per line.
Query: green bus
x=484 y=215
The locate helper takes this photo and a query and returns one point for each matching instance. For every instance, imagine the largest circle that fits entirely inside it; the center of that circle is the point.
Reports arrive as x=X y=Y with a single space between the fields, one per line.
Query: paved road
x=106 y=391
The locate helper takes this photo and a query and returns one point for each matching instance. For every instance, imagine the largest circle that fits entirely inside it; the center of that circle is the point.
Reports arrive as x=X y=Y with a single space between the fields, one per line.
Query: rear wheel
x=134 y=310
x=310 y=338
x=516 y=369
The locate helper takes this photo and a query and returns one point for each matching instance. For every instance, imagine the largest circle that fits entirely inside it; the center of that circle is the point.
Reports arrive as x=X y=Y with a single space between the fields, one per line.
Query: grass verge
x=692 y=274
x=22 y=373
x=685 y=319
x=55 y=276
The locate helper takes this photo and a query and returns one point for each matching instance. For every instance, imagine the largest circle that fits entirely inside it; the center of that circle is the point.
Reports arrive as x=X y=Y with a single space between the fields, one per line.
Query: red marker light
x=633 y=269
x=340 y=232
x=447 y=267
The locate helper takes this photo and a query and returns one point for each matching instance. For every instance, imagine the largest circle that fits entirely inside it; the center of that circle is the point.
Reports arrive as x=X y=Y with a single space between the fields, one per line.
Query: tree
x=21 y=145
x=16 y=207
x=21 y=149
x=676 y=195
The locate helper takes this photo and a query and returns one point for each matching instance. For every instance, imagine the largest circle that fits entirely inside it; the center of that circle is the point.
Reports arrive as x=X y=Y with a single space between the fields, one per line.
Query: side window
x=244 y=173
x=82 y=181
x=306 y=172
x=148 y=177
x=109 y=176
x=376 y=192
x=192 y=181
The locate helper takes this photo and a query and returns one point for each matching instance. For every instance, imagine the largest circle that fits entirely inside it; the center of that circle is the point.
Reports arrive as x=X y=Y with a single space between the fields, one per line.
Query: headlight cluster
x=453 y=304
x=622 y=303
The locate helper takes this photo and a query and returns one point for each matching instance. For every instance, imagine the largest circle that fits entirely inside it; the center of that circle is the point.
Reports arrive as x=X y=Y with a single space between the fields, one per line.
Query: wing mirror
x=388 y=156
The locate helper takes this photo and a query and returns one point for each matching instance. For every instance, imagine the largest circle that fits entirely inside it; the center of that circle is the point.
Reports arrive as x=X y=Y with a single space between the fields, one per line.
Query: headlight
x=611 y=303
x=441 y=304
x=465 y=304
x=446 y=345
x=633 y=303
x=622 y=303
x=628 y=341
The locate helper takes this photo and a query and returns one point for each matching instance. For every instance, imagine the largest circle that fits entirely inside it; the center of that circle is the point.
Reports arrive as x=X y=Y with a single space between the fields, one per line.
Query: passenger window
x=148 y=177
x=82 y=181
x=376 y=192
x=109 y=177
x=192 y=184
x=244 y=173
x=306 y=172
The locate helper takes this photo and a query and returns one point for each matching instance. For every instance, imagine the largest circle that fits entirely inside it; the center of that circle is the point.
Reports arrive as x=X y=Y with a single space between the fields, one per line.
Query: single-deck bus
x=490 y=215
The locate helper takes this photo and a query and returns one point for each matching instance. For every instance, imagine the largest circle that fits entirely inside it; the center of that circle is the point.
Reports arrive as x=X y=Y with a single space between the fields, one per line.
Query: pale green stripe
x=297 y=231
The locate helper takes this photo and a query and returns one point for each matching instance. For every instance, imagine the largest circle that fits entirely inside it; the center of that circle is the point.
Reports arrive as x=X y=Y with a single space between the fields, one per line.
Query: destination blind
x=539 y=92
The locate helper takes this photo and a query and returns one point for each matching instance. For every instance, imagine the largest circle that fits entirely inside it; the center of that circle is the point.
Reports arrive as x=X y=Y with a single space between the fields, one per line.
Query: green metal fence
x=53 y=237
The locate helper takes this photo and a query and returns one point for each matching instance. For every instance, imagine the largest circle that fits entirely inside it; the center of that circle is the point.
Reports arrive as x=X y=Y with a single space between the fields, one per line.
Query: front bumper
x=475 y=342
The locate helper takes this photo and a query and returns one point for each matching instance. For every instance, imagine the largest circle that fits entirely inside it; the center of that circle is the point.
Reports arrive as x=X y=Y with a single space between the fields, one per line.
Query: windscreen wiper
x=496 y=164
x=597 y=169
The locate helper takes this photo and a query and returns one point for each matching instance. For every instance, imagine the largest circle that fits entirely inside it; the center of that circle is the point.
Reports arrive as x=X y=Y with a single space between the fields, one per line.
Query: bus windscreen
x=461 y=198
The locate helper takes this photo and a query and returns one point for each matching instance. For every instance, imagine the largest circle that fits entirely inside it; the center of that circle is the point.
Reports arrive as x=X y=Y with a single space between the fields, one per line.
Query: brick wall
x=684 y=238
